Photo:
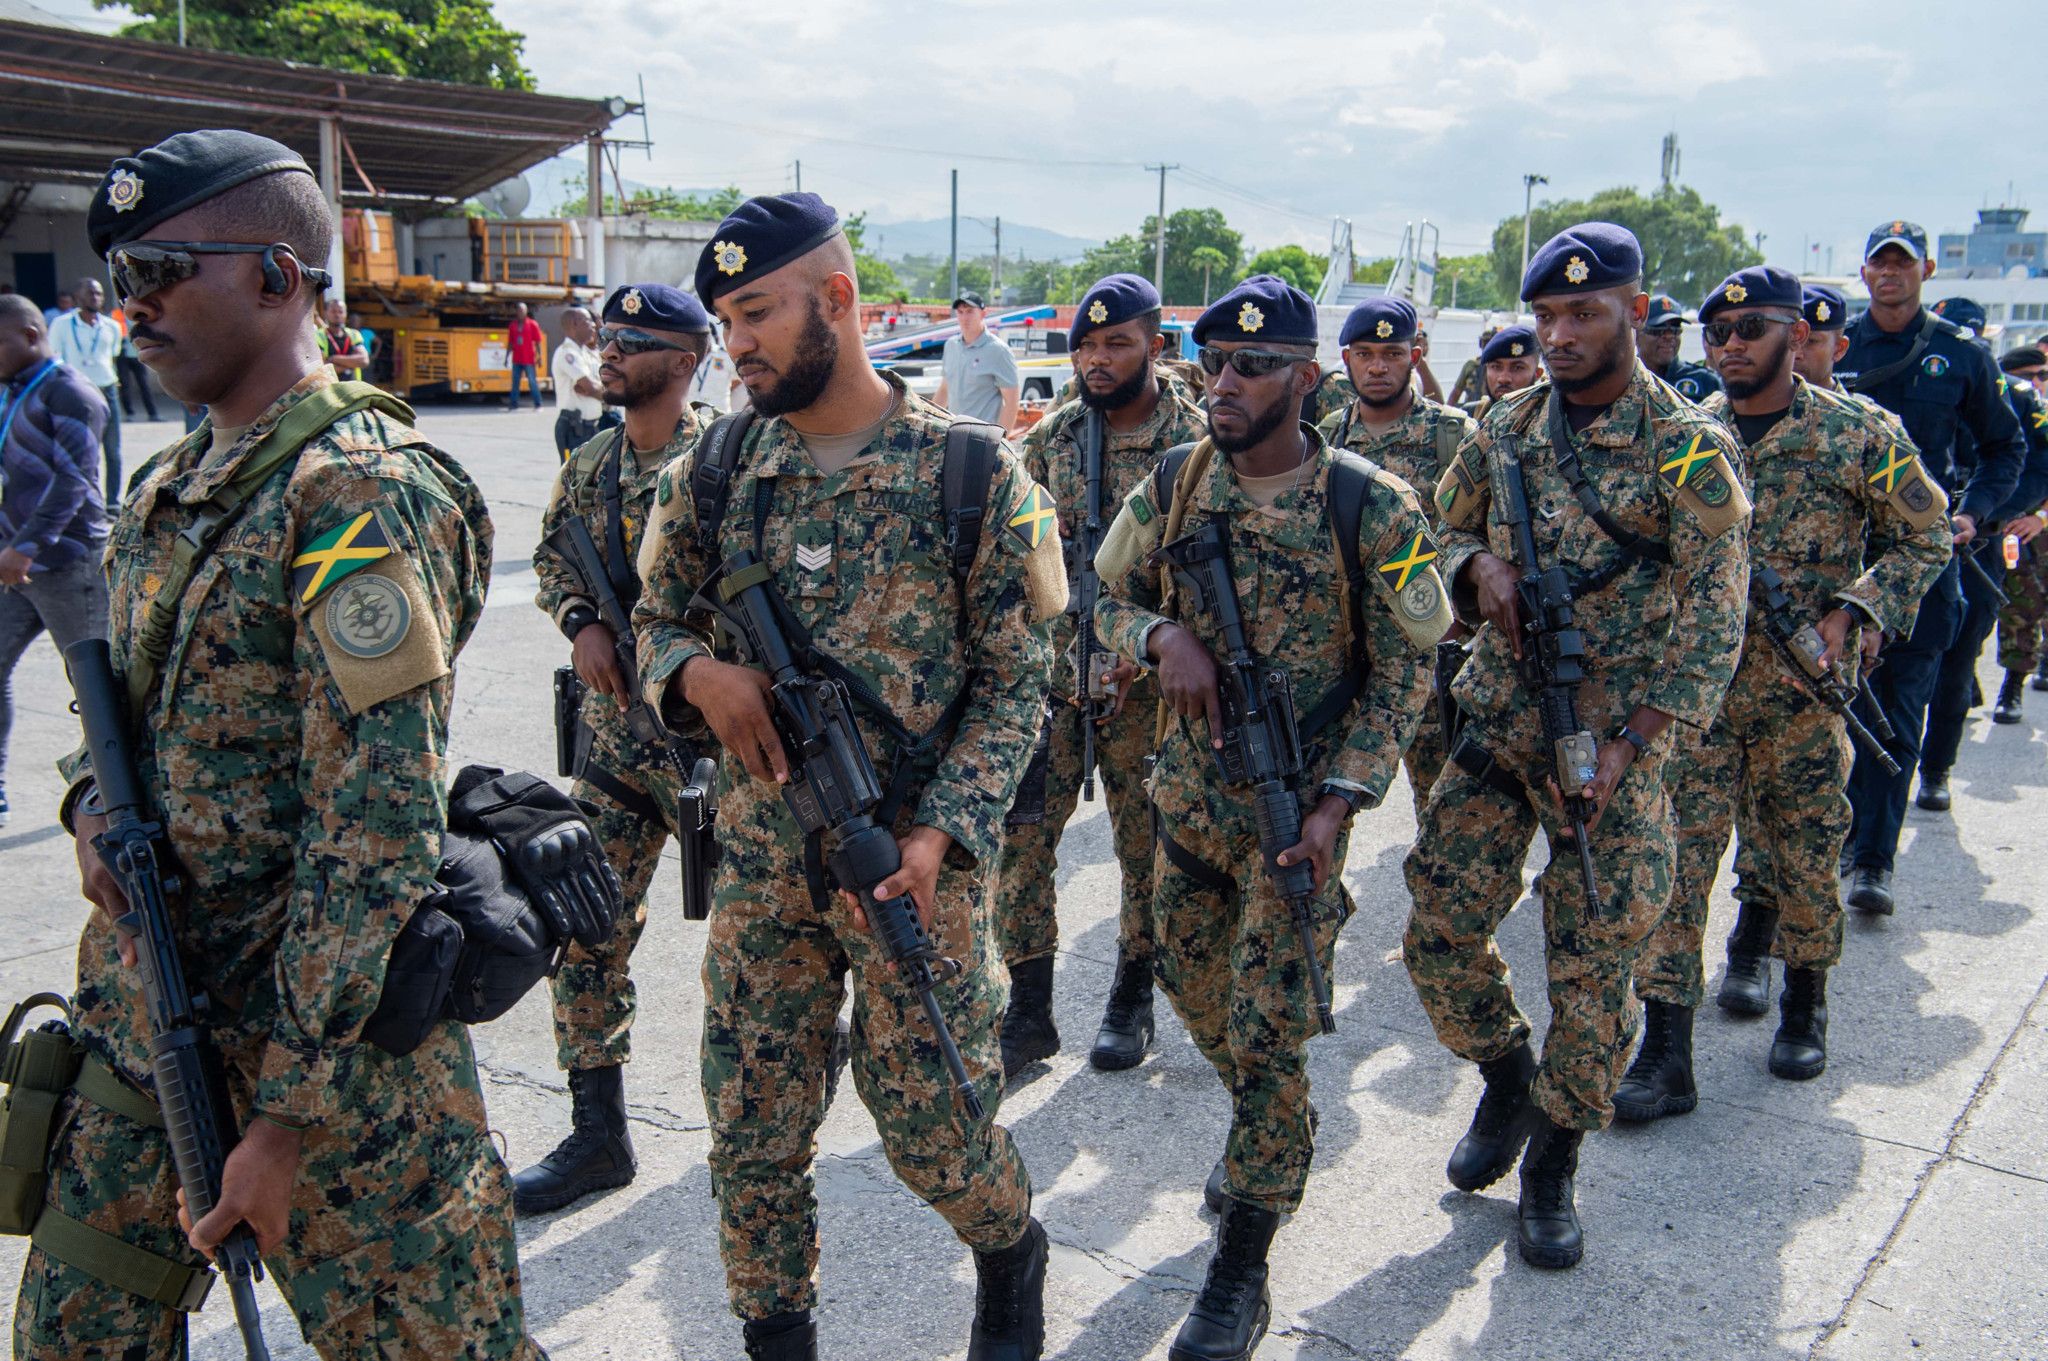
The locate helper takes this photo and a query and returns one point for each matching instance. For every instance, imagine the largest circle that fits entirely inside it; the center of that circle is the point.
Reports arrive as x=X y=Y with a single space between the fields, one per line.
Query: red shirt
x=525 y=338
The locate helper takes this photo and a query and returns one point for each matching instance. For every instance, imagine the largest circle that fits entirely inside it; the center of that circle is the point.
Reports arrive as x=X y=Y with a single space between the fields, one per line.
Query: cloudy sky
x=1806 y=119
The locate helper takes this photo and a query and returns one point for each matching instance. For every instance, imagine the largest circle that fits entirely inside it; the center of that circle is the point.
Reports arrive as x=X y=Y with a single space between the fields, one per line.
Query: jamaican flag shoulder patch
x=1036 y=517
x=349 y=547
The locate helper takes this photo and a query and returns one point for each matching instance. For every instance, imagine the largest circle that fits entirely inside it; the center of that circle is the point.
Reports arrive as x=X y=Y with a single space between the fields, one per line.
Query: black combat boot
x=1500 y=1124
x=2007 y=710
x=1746 y=987
x=1231 y=1311
x=782 y=1337
x=1800 y=1050
x=1933 y=795
x=1009 y=1300
x=597 y=1155
x=1549 y=1235
x=2040 y=681
x=1870 y=890
x=1659 y=1082
x=1028 y=1032
x=1127 y=1029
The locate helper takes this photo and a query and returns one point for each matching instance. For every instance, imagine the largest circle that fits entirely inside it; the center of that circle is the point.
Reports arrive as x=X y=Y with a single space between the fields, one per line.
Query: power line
x=902 y=149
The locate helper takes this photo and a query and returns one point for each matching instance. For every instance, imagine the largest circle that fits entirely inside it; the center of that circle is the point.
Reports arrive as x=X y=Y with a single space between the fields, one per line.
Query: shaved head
x=17 y=310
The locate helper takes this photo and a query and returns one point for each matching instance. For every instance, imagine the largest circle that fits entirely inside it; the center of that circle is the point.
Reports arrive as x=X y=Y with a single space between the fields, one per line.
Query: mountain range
x=900 y=240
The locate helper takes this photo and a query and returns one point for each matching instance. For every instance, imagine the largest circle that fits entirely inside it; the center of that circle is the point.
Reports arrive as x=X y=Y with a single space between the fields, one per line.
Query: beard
x=1620 y=353
x=1768 y=365
x=1120 y=396
x=1263 y=423
x=1393 y=399
x=637 y=389
x=810 y=369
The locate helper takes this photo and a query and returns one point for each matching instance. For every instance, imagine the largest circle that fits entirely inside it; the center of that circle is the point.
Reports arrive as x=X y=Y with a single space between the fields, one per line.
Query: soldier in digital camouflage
x=1356 y=660
x=293 y=740
x=1845 y=515
x=1412 y=437
x=837 y=482
x=1136 y=410
x=652 y=339
x=1658 y=578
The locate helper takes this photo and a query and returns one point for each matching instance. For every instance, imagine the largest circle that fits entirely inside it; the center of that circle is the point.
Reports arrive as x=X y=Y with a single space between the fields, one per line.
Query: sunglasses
x=1247 y=363
x=629 y=341
x=148 y=266
x=1751 y=327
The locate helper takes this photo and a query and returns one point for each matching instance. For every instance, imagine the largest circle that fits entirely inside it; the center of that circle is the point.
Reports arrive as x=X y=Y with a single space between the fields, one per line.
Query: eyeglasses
x=145 y=267
x=1246 y=363
x=629 y=341
x=1751 y=327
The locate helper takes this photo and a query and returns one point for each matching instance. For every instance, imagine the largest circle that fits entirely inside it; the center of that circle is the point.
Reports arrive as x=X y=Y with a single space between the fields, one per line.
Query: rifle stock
x=1801 y=646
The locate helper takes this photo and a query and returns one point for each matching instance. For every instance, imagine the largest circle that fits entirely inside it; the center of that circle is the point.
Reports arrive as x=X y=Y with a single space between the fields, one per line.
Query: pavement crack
x=661 y=1117
x=1303 y=1331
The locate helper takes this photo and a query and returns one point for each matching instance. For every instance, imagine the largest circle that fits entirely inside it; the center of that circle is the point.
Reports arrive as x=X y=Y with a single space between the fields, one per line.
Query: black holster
x=1028 y=809
x=696 y=831
x=573 y=736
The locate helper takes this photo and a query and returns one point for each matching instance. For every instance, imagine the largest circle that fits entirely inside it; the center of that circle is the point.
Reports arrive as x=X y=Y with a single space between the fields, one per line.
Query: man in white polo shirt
x=980 y=372
x=88 y=340
x=579 y=398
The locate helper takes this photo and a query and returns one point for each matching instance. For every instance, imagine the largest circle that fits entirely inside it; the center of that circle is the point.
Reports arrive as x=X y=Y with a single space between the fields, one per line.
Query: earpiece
x=273 y=276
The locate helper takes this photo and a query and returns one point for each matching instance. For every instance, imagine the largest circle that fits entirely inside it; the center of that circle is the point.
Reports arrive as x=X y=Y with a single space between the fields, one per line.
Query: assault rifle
x=1799 y=643
x=1261 y=747
x=1091 y=662
x=191 y=1089
x=1553 y=659
x=833 y=789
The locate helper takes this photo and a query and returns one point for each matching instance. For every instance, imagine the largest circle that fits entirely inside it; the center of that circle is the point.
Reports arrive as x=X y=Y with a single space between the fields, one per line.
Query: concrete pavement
x=1895 y=1207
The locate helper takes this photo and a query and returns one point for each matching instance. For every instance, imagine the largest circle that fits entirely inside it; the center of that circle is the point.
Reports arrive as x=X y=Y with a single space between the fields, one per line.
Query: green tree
x=878 y=281
x=658 y=202
x=453 y=40
x=1292 y=263
x=1468 y=281
x=1187 y=231
x=1687 y=249
x=1209 y=259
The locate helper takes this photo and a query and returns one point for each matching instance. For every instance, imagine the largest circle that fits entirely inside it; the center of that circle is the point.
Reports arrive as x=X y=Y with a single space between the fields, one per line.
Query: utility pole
x=181 y=23
x=1529 y=183
x=1759 y=243
x=799 y=177
x=953 y=271
x=995 y=283
x=1159 y=246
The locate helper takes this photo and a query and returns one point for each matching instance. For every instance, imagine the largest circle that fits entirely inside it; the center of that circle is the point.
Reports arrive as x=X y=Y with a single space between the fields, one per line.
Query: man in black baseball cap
x=981 y=378
x=1657 y=343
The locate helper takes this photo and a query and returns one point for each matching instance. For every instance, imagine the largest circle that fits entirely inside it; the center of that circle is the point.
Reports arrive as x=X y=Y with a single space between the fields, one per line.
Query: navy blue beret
x=177 y=174
x=1583 y=258
x=1911 y=235
x=1965 y=312
x=1664 y=311
x=1382 y=321
x=656 y=307
x=761 y=236
x=1757 y=286
x=1111 y=301
x=1262 y=308
x=1825 y=309
x=1513 y=342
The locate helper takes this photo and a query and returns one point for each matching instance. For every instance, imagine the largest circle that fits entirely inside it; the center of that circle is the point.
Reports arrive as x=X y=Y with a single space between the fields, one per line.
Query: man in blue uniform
x=1921 y=368
x=1657 y=343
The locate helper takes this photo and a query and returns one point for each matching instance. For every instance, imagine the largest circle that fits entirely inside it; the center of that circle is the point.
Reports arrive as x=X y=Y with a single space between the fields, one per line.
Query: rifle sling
x=1884 y=373
x=616 y=565
x=1634 y=547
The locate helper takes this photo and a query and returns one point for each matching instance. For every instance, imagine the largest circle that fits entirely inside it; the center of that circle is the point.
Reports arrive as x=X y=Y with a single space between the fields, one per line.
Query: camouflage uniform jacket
x=1666 y=637
x=882 y=602
x=1826 y=481
x=1410 y=450
x=302 y=787
x=579 y=490
x=1291 y=589
x=1052 y=455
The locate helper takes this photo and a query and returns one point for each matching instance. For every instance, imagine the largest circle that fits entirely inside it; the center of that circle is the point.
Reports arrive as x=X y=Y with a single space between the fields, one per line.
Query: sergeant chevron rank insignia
x=345 y=549
x=814 y=557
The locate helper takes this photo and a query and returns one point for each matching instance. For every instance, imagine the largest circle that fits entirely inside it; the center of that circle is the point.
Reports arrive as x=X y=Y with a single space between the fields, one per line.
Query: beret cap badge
x=1384 y=329
x=1250 y=318
x=1515 y=350
x=124 y=190
x=1736 y=293
x=1822 y=311
x=1577 y=271
x=1097 y=313
x=732 y=256
x=632 y=302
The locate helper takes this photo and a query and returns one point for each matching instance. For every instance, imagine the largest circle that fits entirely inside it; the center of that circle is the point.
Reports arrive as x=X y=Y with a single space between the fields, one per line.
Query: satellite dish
x=507 y=198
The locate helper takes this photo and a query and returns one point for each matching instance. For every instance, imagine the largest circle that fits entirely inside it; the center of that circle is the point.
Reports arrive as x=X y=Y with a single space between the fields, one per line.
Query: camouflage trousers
x=2019 y=623
x=1775 y=765
x=400 y=1241
x=1231 y=962
x=593 y=993
x=1027 y=924
x=1425 y=756
x=1465 y=873
x=776 y=969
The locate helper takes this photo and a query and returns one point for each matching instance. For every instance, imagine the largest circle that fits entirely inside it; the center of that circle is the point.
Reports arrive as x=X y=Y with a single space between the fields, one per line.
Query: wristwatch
x=1634 y=739
x=1352 y=797
x=577 y=618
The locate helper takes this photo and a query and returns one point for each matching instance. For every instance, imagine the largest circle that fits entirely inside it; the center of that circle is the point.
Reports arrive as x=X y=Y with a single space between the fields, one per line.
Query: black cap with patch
x=177 y=174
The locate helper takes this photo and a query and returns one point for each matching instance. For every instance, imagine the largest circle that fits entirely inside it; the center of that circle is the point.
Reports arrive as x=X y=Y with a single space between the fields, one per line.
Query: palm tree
x=1209 y=259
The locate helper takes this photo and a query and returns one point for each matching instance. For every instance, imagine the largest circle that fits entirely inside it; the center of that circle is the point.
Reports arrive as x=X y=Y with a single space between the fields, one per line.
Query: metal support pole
x=1529 y=183
x=953 y=269
x=593 y=212
x=330 y=189
x=1159 y=234
x=995 y=283
x=799 y=177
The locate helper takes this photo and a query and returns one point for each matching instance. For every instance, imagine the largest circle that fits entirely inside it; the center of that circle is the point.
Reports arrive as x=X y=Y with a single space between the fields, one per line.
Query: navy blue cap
x=1262 y=308
x=1581 y=259
x=1757 y=286
x=1111 y=301
x=1513 y=342
x=761 y=236
x=1664 y=311
x=1910 y=235
x=657 y=307
x=1967 y=313
x=1382 y=321
x=1824 y=308
x=177 y=174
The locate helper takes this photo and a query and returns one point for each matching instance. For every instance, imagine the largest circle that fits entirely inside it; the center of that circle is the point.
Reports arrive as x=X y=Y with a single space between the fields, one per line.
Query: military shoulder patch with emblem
x=1035 y=518
x=1702 y=478
x=379 y=633
x=1460 y=496
x=1409 y=579
x=1901 y=481
x=342 y=551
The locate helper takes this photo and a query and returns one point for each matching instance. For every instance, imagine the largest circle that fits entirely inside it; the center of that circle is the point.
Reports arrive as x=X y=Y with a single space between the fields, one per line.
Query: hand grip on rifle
x=571 y=542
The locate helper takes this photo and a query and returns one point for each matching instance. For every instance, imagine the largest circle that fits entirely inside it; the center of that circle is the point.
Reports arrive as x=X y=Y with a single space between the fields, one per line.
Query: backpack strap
x=718 y=453
x=624 y=583
x=298 y=427
x=969 y=468
x=1165 y=479
x=1350 y=476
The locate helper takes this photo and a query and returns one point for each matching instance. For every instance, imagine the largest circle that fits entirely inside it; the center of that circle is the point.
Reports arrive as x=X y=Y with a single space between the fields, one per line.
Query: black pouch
x=697 y=823
x=1028 y=808
x=572 y=735
x=38 y=1069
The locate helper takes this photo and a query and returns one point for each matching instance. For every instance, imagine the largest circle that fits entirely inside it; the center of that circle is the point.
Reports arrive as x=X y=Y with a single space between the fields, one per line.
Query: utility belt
x=39 y=1069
